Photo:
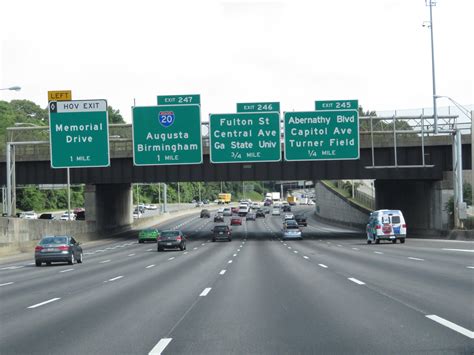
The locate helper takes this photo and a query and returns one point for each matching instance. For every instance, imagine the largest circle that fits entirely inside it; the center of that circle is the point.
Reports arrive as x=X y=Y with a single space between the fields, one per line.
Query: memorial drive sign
x=244 y=137
x=321 y=135
x=167 y=135
x=79 y=134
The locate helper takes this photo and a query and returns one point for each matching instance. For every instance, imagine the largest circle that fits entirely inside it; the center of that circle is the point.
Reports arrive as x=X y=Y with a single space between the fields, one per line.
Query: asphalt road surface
x=328 y=294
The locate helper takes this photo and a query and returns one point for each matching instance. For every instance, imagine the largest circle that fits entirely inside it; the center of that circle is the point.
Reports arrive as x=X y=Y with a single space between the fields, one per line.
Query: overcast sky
x=229 y=51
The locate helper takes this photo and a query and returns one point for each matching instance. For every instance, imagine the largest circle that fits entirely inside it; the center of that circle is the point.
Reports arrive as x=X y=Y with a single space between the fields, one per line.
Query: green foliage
x=31 y=198
x=114 y=115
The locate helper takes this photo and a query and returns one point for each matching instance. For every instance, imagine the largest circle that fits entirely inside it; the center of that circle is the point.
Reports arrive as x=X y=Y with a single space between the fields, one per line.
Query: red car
x=236 y=221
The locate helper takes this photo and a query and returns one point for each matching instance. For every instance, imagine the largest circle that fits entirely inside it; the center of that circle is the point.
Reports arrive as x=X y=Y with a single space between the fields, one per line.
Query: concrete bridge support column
x=109 y=205
x=422 y=203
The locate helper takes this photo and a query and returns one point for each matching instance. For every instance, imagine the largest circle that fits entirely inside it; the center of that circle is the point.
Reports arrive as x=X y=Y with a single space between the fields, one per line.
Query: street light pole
x=432 y=3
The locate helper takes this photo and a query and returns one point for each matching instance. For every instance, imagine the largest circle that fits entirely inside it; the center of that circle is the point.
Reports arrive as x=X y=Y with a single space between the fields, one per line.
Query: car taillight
x=378 y=226
x=404 y=225
x=63 y=247
x=159 y=238
x=38 y=248
x=178 y=238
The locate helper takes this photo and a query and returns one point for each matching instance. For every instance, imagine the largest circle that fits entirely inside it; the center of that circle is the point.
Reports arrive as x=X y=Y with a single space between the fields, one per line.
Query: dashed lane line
x=378 y=252
x=451 y=325
x=172 y=258
x=105 y=261
x=323 y=266
x=305 y=257
x=130 y=254
x=150 y=266
x=115 y=278
x=416 y=259
x=463 y=250
x=356 y=281
x=6 y=284
x=67 y=270
x=160 y=346
x=221 y=273
x=205 y=292
x=43 y=303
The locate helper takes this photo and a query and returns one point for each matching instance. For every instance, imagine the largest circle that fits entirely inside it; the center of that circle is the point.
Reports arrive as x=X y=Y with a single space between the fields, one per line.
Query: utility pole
x=432 y=3
x=179 y=198
x=165 y=198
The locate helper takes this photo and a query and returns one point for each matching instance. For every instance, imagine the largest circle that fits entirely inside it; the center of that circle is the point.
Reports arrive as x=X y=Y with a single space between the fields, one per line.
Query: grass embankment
x=345 y=193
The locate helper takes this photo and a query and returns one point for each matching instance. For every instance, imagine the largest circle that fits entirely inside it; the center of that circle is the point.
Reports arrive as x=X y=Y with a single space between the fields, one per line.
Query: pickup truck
x=301 y=219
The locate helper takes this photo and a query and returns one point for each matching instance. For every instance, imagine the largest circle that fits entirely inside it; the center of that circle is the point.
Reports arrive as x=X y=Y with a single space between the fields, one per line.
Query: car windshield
x=220 y=228
x=291 y=226
x=168 y=234
x=53 y=240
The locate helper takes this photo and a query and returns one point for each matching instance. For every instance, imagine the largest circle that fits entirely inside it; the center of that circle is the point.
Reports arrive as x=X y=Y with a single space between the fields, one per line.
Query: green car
x=150 y=234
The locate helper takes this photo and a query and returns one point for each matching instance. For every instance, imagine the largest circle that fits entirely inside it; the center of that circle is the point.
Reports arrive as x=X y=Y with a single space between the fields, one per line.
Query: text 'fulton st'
x=235 y=132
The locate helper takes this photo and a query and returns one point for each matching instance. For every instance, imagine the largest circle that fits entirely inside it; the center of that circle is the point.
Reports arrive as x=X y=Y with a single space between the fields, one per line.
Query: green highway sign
x=179 y=100
x=258 y=107
x=167 y=135
x=244 y=137
x=321 y=135
x=333 y=105
x=79 y=136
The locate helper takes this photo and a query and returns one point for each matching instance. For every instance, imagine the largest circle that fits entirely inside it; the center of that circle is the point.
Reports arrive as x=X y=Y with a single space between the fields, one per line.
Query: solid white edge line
x=356 y=281
x=451 y=325
x=465 y=250
x=104 y=261
x=322 y=265
x=378 y=252
x=130 y=254
x=6 y=284
x=43 y=303
x=171 y=258
x=470 y=267
x=417 y=259
x=205 y=292
x=150 y=266
x=160 y=346
x=67 y=270
x=221 y=273
x=295 y=251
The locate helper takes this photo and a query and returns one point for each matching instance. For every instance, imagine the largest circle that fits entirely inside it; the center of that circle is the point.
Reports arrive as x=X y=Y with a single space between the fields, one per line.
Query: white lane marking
x=322 y=265
x=229 y=262
x=470 y=267
x=67 y=270
x=238 y=250
x=378 y=252
x=235 y=255
x=99 y=251
x=88 y=253
x=305 y=257
x=412 y=258
x=203 y=244
x=205 y=292
x=451 y=325
x=295 y=251
x=130 y=254
x=149 y=250
x=285 y=244
x=105 y=261
x=339 y=245
x=465 y=250
x=289 y=247
x=171 y=258
x=6 y=284
x=160 y=346
x=116 y=278
x=43 y=303
x=356 y=281
x=150 y=266
x=30 y=264
x=185 y=253
x=12 y=267
x=240 y=246
x=195 y=248
x=221 y=273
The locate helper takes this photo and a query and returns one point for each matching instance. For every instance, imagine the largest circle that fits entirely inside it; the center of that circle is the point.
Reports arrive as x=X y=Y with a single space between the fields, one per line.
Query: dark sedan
x=219 y=218
x=301 y=219
x=171 y=239
x=58 y=248
x=260 y=213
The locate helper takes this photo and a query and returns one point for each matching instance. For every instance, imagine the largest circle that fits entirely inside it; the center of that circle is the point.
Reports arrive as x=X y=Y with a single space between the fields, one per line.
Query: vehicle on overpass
x=58 y=248
x=171 y=239
x=148 y=235
x=29 y=215
x=386 y=225
x=221 y=231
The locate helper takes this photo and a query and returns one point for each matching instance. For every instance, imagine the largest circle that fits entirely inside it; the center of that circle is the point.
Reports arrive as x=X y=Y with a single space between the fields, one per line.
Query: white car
x=289 y=216
x=152 y=207
x=137 y=213
x=65 y=217
x=29 y=215
x=276 y=212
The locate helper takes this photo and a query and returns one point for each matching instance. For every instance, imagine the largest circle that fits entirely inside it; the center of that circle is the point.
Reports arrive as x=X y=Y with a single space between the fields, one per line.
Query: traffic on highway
x=197 y=284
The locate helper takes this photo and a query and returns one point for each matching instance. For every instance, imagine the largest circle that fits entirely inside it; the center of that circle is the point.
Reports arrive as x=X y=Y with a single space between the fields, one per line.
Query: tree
x=114 y=115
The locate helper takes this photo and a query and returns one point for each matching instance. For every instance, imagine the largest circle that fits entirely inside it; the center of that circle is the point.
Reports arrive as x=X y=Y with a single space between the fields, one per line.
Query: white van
x=386 y=225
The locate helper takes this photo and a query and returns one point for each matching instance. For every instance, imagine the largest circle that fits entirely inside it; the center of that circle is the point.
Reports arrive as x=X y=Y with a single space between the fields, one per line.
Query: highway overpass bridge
x=409 y=170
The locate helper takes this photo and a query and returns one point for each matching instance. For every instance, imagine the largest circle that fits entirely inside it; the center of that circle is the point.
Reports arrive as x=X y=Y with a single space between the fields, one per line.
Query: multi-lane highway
x=328 y=294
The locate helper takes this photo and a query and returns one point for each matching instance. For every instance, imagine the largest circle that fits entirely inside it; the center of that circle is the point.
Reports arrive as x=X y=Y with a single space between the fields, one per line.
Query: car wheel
x=159 y=249
x=181 y=247
x=38 y=263
x=48 y=263
x=402 y=240
x=394 y=241
x=79 y=259
x=140 y=241
x=377 y=241
x=213 y=240
x=369 y=241
x=71 y=259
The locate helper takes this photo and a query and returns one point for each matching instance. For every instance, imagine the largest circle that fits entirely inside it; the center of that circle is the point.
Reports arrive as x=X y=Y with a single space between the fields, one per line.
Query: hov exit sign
x=79 y=134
